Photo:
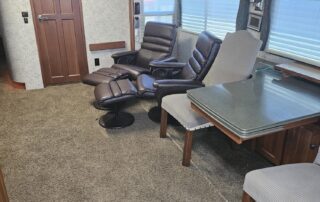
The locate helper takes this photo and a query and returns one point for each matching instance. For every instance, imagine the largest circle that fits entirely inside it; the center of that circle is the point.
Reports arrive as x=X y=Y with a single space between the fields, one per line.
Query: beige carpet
x=52 y=149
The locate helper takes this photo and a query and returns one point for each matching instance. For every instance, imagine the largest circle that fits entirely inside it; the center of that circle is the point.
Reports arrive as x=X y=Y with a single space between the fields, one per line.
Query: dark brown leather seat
x=105 y=75
x=114 y=93
x=158 y=43
x=204 y=54
x=192 y=73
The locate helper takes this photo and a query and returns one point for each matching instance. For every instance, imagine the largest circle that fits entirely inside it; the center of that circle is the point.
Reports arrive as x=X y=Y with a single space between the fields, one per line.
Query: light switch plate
x=25 y=14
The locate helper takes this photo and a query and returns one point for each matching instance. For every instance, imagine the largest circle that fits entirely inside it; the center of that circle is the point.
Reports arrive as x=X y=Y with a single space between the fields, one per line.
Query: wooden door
x=61 y=42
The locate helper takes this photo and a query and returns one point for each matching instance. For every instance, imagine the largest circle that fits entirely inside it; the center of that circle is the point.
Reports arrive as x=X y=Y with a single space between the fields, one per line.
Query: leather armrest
x=125 y=53
x=166 y=70
x=176 y=83
x=166 y=65
x=174 y=86
x=126 y=57
x=169 y=59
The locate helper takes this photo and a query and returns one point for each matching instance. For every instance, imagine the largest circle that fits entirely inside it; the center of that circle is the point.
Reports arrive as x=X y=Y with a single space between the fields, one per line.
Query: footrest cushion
x=115 y=91
x=105 y=75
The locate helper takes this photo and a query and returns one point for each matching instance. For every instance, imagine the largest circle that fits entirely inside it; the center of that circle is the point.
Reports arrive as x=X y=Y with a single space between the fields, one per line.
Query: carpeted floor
x=52 y=149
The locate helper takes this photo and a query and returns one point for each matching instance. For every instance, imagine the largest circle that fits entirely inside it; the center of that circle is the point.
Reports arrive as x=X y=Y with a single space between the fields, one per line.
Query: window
x=158 y=10
x=216 y=16
x=295 y=30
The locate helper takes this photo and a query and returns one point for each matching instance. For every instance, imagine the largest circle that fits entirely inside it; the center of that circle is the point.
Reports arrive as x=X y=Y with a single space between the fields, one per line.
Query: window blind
x=193 y=15
x=159 y=9
x=216 y=16
x=295 y=30
x=222 y=16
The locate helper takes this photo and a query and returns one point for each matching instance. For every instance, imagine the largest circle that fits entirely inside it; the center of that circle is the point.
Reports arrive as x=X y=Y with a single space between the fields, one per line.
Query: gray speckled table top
x=259 y=105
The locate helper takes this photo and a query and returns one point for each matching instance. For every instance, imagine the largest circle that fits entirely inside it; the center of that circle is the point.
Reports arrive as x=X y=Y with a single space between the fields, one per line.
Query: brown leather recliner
x=180 y=75
x=158 y=43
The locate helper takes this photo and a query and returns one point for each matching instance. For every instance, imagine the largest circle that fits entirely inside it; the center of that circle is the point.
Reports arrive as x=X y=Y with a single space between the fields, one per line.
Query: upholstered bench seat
x=105 y=75
x=295 y=182
x=179 y=106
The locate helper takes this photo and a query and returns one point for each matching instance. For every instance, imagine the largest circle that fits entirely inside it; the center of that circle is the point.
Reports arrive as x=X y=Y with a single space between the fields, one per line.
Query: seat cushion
x=115 y=73
x=145 y=85
x=115 y=91
x=105 y=75
x=179 y=106
x=95 y=79
x=133 y=70
x=295 y=182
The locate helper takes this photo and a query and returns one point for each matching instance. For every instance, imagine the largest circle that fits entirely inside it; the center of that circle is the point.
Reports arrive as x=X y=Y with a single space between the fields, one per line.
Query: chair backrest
x=317 y=160
x=158 y=43
x=235 y=60
x=205 y=52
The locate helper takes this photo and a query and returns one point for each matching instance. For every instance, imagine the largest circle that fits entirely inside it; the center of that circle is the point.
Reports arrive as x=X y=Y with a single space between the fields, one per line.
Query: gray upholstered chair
x=292 y=182
x=234 y=62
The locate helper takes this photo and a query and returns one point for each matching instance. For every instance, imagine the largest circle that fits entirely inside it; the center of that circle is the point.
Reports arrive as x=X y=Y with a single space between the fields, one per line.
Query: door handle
x=314 y=146
x=42 y=18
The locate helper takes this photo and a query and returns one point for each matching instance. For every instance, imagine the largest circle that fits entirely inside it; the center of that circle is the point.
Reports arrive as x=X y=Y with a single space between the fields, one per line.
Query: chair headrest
x=205 y=43
x=162 y=30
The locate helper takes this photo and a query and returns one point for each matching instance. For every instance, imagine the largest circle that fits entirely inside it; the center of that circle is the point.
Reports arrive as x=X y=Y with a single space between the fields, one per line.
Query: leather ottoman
x=113 y=94
x=105 y=75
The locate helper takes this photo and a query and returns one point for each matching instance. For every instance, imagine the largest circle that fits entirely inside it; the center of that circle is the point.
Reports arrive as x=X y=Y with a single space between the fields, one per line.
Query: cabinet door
x=271 y=146
x=301 y=144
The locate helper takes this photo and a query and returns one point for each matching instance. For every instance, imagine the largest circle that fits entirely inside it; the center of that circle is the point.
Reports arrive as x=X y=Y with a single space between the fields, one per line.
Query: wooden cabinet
x=292 y=146
x=271 y=146
x=301 y=145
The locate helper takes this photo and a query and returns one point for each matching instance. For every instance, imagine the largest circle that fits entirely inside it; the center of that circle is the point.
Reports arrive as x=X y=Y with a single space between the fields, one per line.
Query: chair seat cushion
x=145 y=85
x=115 y=91
x=179 y=106
x=295 y=182
x=133 y=70
x=105 y=75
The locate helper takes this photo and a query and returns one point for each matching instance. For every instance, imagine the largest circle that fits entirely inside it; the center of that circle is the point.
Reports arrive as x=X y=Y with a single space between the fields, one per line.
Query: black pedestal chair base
x=154 y=115
x=112 y=95
x=116 y=120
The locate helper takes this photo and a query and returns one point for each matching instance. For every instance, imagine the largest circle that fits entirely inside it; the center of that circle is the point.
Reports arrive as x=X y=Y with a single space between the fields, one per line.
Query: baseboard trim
x=14 y=84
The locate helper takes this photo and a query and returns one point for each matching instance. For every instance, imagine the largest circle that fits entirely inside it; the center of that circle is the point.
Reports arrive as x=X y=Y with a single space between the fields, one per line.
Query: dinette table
x=263 y=105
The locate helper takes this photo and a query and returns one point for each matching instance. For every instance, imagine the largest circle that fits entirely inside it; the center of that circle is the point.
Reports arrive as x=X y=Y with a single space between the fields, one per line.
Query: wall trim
x=107 y=45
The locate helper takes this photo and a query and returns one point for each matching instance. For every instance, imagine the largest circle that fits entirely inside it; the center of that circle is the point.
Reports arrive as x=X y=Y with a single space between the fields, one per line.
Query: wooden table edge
x=237 y=139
